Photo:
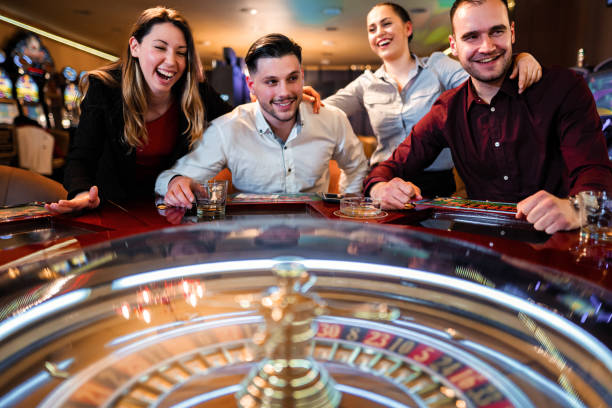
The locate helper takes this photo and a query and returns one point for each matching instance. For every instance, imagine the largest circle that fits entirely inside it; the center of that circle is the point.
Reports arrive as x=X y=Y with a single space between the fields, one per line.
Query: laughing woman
x=139 y=115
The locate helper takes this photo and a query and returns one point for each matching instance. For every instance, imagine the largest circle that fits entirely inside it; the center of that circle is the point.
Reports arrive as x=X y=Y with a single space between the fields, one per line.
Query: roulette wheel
x=300 y=312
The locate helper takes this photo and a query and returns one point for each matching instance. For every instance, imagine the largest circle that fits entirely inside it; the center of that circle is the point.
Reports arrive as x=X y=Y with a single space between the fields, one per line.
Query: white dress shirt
x=393 y=113
x=243 y=141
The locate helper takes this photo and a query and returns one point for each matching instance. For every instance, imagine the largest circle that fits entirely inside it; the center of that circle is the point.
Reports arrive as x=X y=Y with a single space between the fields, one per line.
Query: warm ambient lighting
x=62 y=40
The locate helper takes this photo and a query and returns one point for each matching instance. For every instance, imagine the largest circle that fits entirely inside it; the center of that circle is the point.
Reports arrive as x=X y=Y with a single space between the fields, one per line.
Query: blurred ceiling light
x=332 y=11
x=59 y=39
x=249 y=10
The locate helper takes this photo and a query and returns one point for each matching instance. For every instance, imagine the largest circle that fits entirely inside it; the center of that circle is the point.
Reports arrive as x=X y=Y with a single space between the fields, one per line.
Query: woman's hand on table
x=548 y=213
x=85 y=200
x=312 y=96
x=394 y=194
x=528 y=69
x=179 y=192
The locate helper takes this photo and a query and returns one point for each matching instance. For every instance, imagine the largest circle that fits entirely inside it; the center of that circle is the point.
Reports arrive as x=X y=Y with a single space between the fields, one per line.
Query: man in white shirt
x=274 y=145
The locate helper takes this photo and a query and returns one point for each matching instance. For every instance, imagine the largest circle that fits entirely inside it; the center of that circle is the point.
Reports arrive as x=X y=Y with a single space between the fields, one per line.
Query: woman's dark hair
x=399 y=10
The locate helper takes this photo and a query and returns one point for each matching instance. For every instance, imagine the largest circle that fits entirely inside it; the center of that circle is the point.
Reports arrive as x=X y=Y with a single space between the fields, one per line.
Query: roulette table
x=297 y=309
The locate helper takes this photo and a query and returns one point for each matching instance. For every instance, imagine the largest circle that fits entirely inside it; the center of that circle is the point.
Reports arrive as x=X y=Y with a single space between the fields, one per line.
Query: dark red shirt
x=548 y=138
x=152 y=159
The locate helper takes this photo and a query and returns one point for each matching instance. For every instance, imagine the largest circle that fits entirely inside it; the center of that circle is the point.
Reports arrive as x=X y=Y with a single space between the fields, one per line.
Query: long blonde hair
x=134 y=87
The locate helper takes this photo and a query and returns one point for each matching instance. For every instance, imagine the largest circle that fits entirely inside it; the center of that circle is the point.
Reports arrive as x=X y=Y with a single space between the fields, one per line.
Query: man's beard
x=489 y=77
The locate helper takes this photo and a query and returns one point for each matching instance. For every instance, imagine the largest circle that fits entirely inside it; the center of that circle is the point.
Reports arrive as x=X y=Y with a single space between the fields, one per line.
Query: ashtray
x=360 y=207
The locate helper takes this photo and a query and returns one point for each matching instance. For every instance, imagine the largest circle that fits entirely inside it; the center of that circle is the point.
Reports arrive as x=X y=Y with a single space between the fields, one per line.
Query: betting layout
x=274 y=198
x=465 y=204
x=22 y=212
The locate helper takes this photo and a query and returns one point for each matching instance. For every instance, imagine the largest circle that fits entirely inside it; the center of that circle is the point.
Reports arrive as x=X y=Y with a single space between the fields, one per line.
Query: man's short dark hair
x=271 y=46
x=457 y=3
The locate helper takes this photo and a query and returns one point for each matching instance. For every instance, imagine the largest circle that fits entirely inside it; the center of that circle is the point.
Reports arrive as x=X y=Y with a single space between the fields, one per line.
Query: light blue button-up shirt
x=393 y=113
x=243 y=141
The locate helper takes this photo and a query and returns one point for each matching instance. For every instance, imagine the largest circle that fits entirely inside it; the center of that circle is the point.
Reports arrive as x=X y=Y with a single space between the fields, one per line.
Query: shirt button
x=506 y=178
x=496 y=144
x=289 y=171
x=285 y=147
x=492 y=108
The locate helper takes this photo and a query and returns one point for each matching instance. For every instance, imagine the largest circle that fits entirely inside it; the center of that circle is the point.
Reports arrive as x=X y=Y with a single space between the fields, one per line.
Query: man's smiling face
x=278 y=84
x=482 y=40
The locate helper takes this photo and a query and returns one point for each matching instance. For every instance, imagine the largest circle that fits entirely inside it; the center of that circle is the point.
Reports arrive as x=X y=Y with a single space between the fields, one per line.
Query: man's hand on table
x=86 y=199
x=394 y=194
x=179 y=192
x=548 y=213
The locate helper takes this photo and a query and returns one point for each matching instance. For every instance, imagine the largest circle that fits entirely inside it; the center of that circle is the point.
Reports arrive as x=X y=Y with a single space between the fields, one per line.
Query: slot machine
x=8 y=112
x=71 y=98
x=8 y=106
x=29 y=99
x=32 y=67
x=600 y=83
x=54 y=100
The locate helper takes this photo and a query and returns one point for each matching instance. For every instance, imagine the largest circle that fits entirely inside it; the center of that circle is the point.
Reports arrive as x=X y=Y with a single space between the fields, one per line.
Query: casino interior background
x=331 y=33
x=330 y=30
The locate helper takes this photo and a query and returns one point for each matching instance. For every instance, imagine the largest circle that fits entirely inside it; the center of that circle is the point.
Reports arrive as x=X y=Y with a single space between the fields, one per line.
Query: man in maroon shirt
x=535 y=148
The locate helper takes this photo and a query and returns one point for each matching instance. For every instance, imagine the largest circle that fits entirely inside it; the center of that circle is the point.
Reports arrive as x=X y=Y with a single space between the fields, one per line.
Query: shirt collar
x=260 y=122
x=508 y=86
x=419 y=62
x=301 y=114
x=472 y=96
x=380 y=73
